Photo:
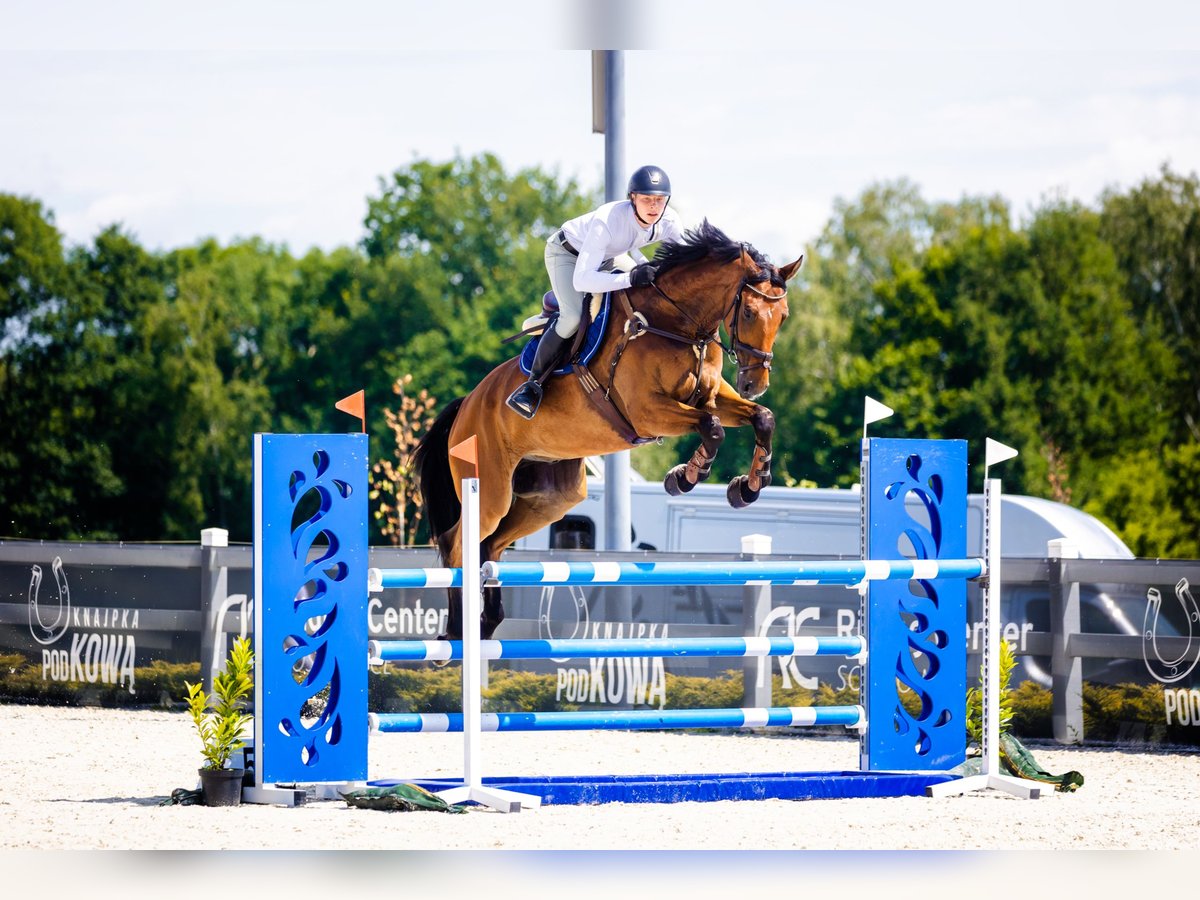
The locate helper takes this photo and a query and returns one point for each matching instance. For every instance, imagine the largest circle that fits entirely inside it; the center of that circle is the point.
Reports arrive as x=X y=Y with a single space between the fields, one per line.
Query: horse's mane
x=707 y=241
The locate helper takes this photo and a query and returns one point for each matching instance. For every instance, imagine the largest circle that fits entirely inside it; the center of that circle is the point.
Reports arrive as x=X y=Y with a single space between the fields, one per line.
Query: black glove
x=642 y=275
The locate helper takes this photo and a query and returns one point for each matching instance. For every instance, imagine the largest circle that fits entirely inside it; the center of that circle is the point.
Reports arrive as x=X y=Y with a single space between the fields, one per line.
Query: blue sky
x=278 y=119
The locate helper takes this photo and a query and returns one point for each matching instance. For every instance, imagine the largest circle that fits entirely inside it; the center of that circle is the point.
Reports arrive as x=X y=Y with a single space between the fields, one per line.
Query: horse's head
x=758 y=310
x=710 y=279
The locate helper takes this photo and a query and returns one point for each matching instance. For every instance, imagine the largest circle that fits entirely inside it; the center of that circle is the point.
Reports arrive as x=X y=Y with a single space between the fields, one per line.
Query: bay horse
x=658 y=375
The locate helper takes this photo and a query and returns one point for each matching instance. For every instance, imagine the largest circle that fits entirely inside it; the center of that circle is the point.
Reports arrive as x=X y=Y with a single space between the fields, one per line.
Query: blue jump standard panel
x=310 y=579
x=915 y=629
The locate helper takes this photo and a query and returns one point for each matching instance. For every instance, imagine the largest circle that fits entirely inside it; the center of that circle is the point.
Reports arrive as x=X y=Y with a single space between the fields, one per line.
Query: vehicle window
x=573 y=533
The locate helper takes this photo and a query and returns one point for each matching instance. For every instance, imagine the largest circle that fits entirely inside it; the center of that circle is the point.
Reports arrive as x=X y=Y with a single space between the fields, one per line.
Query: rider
x=579 y=259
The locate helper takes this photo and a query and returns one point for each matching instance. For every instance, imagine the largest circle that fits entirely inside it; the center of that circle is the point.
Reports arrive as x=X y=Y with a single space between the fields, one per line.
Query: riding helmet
x=649 y=180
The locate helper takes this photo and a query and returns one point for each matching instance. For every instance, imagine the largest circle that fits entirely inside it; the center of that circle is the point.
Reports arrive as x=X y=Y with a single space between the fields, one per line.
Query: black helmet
x=649 y=180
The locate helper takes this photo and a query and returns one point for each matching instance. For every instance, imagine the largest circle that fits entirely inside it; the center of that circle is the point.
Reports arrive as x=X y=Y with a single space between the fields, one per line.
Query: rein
x=637 y=324
x=700 y=344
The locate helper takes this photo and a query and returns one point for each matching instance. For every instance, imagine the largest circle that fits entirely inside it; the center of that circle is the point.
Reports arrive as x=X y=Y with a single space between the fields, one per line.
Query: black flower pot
x=222 y=787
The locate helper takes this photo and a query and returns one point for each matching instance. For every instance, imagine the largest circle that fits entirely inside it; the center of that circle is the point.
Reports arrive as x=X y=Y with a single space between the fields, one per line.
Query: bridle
x=637 y=324
x=732 y=314
x=764 y=357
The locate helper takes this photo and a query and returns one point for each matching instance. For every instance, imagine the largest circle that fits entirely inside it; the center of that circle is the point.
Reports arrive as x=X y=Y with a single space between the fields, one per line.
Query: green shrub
x=1123 y=713
x=512 y=691
x=410 y=690
x=157 y=685
x=1032 y=707
x=693 y=692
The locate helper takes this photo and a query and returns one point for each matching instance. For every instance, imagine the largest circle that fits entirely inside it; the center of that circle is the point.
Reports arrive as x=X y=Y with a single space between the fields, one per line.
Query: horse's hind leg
x=744 y=489
x=684 y=477
x=450 y=550
x=542 y=493
x=492 y=613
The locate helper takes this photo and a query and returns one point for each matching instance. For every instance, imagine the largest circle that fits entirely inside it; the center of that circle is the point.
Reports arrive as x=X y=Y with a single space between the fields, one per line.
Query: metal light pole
x=617 y=527
x=608 y=70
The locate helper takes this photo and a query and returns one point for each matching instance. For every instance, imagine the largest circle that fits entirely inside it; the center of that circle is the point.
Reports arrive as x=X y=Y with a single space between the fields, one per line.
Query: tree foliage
x=134 y=381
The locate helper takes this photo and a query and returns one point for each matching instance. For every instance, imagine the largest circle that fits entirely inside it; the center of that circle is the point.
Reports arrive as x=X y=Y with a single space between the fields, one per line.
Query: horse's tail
x=431 y=461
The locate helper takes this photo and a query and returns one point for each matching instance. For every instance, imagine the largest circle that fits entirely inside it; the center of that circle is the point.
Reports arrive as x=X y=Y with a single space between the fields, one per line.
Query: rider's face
x=649 y=207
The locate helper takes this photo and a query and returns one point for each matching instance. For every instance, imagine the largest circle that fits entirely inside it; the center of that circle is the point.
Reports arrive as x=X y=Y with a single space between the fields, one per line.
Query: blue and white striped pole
x=589 y=648
x=630 y=719
x=378 y=579
x=845 y=572
x=850 y=573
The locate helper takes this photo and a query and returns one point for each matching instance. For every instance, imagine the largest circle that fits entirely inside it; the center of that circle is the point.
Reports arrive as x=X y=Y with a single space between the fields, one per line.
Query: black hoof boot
x=676 y=483
x=526 y=399
x=739 y=493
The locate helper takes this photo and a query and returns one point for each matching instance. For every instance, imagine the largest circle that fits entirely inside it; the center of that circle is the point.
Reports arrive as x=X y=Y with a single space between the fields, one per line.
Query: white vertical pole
x=472 y=667
x=258 y=587
x=472 y=701
x=991 y=628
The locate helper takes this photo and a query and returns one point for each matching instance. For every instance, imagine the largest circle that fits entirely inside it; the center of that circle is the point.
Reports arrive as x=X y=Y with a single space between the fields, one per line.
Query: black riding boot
x=525 y=400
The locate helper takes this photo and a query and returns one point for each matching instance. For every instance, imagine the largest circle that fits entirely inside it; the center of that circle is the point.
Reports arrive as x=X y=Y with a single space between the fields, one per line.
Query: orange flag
x=355 y=405
x=468 y=451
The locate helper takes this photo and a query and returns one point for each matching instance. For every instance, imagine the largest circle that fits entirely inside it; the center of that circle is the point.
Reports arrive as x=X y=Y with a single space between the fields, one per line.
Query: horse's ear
x=791 y=269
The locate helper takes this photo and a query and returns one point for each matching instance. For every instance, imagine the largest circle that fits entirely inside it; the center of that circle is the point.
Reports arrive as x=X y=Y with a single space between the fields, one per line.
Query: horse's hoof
x=739 y=494
x=676 y=482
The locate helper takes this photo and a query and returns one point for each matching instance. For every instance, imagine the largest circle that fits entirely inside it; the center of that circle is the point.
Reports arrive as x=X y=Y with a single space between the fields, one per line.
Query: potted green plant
x=220 y=718
x=1008 y=661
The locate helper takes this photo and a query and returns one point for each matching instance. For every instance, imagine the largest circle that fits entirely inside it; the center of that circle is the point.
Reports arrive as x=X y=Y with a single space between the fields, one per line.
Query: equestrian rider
x=579 y=259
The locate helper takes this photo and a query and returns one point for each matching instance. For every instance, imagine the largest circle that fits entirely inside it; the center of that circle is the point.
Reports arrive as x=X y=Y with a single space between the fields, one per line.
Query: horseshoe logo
x=42 y=633
x=546 y=625
x=1169 y=671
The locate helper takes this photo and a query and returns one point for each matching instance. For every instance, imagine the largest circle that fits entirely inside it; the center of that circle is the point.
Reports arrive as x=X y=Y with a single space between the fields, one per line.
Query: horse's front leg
x=744 y=489
x=684 y=477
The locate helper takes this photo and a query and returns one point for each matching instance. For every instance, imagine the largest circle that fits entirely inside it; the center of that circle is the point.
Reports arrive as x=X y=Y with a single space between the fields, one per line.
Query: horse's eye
x=747 y=313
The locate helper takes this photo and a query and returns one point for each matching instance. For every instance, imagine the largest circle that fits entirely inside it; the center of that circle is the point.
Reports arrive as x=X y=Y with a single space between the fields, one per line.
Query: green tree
x=475 y=237
x=34 y=292
x=1154 y=230
x=59 y=362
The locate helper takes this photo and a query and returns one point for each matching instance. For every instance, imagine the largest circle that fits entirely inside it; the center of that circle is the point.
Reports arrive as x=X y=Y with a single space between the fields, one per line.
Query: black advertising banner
x=90 y=614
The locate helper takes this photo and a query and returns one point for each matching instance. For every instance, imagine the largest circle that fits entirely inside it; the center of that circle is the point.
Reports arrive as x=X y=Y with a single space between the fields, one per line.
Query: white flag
x=873 y=411
x=995 y=452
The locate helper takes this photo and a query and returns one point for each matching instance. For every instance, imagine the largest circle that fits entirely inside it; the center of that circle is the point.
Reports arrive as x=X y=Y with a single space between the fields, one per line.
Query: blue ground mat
x=592 y=789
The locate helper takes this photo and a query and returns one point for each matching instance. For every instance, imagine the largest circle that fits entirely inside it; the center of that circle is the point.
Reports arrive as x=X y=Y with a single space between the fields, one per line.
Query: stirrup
x=526 y=399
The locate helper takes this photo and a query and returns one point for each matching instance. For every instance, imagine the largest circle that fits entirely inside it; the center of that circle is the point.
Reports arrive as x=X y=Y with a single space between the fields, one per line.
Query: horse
x=660 y=366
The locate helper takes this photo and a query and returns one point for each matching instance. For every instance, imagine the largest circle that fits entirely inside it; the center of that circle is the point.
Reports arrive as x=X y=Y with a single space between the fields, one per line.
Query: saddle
x=587 y=338
x=592 y=325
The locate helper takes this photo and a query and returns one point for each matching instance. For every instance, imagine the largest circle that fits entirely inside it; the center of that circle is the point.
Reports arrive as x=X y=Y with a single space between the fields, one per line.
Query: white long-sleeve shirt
x=606 y=233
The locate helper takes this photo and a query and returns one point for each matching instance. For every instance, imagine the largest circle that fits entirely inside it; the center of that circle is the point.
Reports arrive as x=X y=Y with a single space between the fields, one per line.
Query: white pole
x=472 y=666
x=472 y=687
x=991 y=629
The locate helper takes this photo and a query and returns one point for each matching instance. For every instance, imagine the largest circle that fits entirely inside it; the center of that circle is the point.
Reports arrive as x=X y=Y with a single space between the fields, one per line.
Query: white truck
x=809 y=521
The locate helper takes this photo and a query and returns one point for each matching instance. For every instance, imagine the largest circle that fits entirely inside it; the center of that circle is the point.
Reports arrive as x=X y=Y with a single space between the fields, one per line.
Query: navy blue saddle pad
x=591 y=343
